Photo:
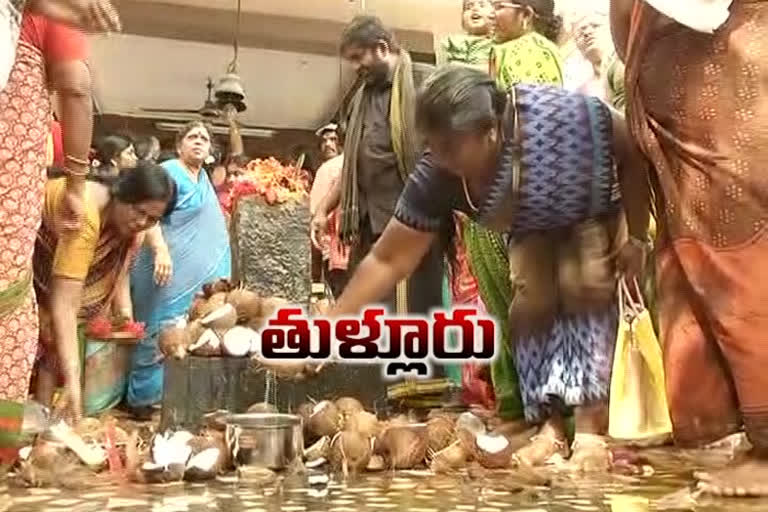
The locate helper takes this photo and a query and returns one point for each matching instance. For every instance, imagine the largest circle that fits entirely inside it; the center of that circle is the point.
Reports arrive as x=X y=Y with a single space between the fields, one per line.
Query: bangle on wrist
x=78 y=161
x=76 y=174
x=645 y=245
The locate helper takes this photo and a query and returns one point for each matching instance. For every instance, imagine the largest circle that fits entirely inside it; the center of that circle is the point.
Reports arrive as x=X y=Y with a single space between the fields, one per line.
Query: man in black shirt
x=380 y=152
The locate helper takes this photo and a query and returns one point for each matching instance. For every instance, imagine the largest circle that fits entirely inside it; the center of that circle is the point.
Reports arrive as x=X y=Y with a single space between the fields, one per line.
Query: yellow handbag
x=639 y=413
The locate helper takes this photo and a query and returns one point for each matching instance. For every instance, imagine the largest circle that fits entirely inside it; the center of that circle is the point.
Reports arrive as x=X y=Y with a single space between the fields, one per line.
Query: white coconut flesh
x=205 y=461
x=181 y=324
x=223 y=317
x=320 y=406
x=492 y=443
x=471 y=423
x=209 y=337
x=172 y=449
x=318 y=450
x=237 y=341
x=314 y=464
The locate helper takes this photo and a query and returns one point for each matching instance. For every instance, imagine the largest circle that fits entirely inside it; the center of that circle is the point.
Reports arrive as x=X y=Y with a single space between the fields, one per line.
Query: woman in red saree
x=697 y=83
x=47 y=53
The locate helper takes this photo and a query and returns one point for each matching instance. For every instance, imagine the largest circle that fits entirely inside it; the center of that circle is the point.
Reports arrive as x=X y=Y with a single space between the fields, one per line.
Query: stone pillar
x=271 y=248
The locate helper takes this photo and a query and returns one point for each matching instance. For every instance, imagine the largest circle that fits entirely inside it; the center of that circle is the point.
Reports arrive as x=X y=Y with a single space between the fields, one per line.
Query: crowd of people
x=523 y=175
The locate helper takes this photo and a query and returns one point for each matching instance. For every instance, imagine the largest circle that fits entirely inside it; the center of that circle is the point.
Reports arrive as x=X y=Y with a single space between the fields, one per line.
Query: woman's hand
x=91 y=15
x=631 y=259
x=163 y=265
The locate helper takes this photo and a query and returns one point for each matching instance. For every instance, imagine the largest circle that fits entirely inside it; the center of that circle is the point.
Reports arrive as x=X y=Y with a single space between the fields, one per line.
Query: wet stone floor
x=667 y=487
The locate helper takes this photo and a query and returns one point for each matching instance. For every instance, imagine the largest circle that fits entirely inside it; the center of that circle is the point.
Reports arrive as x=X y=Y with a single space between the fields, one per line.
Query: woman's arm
x=394 y=257
x=65 y=304
x=71 y=79
x=320 y=217
x=633 y=178
x=92 y=15
x=163 y=263
x=122 y=304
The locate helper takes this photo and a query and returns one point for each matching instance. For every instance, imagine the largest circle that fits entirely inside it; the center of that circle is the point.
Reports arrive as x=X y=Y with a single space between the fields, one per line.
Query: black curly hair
x=545 y=21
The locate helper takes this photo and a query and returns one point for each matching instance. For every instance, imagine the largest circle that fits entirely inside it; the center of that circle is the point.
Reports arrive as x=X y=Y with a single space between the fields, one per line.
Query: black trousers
x=425 y=286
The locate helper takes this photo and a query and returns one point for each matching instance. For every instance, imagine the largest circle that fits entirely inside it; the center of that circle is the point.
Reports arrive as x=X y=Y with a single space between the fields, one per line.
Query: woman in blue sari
x=189 y=248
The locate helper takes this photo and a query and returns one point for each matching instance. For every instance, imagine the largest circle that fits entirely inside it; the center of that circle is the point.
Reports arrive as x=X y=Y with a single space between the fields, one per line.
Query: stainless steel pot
x=266 y=440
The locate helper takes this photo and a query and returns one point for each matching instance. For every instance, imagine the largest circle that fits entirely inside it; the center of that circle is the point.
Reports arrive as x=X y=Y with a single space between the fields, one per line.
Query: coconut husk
x=364 y=423
x=348 y=406
x=195 y=329
x=304 y=411
x=219 y=286
x=451 y=458
x=246 y=303
x=325 y=419
x=350 y=452
x=404 y=447
x=198 y=308
x=283 y=369
x=210 y=305
x=173 y=342
x=441 y=433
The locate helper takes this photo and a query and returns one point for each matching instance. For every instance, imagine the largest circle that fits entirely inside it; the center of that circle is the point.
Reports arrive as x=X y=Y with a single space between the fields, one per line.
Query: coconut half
x=319 y=450
x=209 y=344
x=493 y=451
x=325 y=419
x=237 y=341
x=222 y=318
x=471 y=423
x=204 y=465
x=350 y=452
x=195 y=329
x=172 y=449
x=376 y=464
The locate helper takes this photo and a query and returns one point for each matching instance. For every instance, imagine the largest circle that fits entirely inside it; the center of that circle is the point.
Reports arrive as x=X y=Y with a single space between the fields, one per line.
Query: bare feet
x=590 y=454
x=542 y=449
x=748 y=478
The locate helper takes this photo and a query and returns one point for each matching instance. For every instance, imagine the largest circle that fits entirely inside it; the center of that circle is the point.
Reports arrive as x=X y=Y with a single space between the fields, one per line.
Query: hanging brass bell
x=230 y=90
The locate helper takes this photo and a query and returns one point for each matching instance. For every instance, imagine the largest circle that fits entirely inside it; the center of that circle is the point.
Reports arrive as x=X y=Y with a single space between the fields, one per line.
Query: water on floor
x=666 y=487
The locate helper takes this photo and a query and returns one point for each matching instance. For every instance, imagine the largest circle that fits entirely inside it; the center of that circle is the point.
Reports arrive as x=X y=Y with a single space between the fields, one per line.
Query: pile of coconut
x=177 y=456
x=225 y=320
x=352 y=440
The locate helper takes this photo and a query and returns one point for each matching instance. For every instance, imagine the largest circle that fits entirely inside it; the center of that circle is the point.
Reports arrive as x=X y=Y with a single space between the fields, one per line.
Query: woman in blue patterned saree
x=528 y=159
x=189 y=248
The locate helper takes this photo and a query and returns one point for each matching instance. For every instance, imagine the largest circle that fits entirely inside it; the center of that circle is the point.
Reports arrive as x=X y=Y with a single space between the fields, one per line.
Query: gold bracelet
x=78 y=161
x=68 y=170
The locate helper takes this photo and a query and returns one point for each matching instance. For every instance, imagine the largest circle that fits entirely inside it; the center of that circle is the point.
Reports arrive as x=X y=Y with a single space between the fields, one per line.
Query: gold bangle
x=72 y=173
x=78 y=161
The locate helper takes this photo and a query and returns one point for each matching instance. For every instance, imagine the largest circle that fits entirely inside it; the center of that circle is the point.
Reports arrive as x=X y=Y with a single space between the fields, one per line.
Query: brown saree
x=698 y=105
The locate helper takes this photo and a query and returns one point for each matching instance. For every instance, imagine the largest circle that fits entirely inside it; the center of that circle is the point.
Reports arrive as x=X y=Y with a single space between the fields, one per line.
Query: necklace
x=468 y=198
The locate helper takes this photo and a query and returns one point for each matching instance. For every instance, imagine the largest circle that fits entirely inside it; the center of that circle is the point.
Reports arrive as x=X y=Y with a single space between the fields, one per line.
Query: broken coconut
x=237 y=341
x=174 y=342
x=195 y=329
x=350 y=452
x=284 y=369
x=209 y=344
x=325 y=419
x=471 y=423
x=204 y=307
x=220 y=286
x=493 y=451
x=440 y=433
x=404 y=446
x=221 y=319
x=203 y=466
x=377 y=463
x=364 y=423
x=246 y=303
x=449 y=459
x=319 y=450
